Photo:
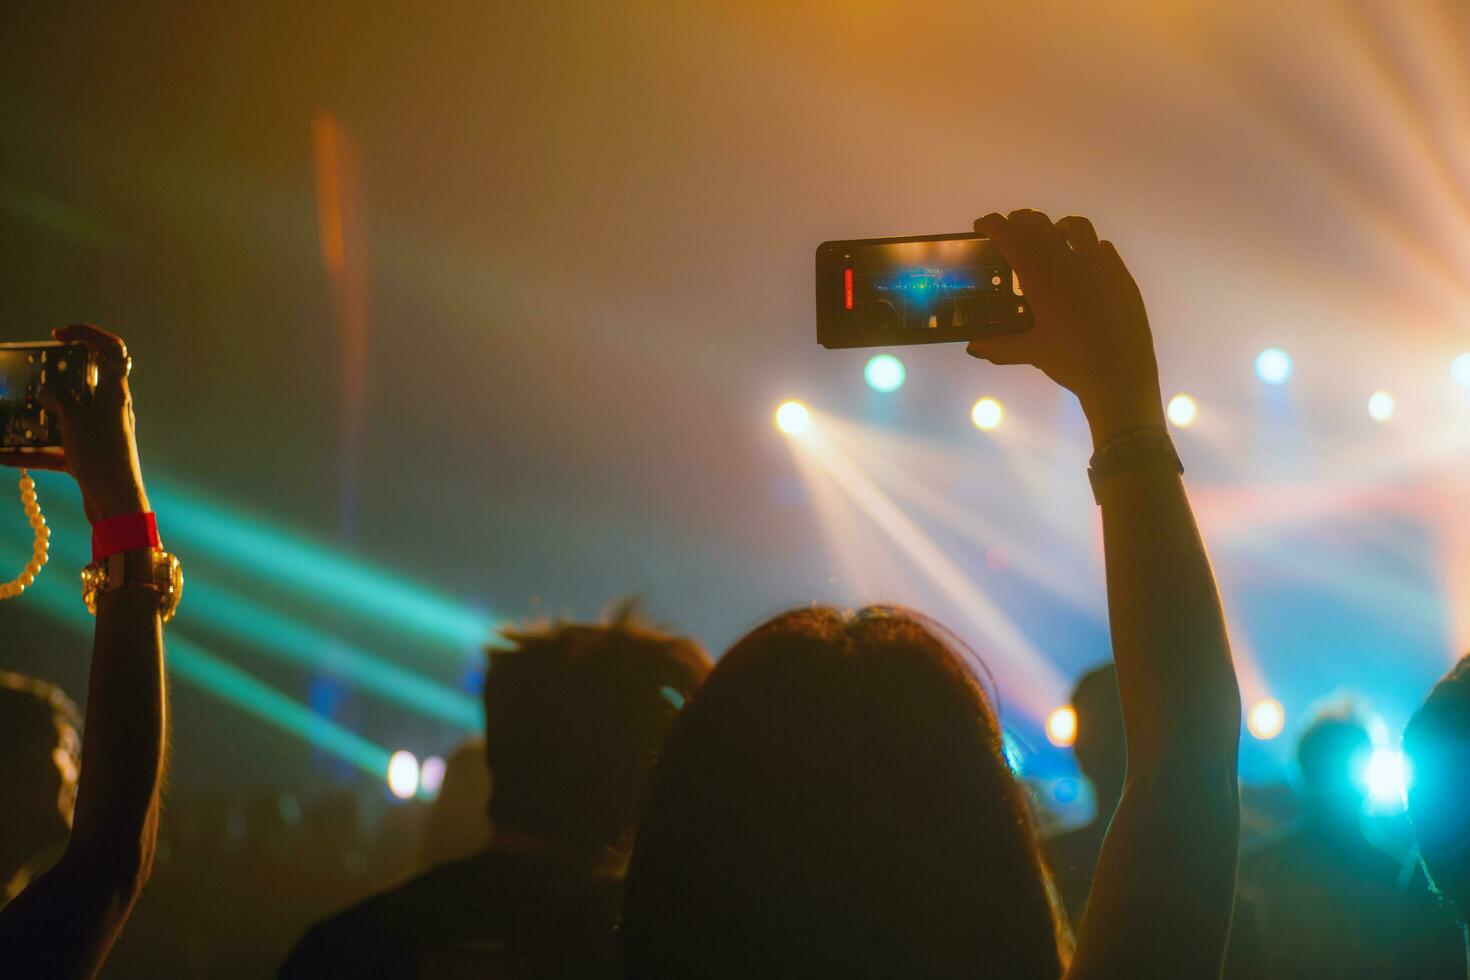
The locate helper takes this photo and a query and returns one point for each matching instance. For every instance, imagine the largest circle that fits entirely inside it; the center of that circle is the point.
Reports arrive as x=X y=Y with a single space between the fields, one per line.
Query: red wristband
x=125 y=532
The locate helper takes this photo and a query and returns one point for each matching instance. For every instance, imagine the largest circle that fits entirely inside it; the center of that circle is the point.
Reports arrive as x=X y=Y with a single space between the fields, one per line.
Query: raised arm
x=64 y=924
x=1162 y=896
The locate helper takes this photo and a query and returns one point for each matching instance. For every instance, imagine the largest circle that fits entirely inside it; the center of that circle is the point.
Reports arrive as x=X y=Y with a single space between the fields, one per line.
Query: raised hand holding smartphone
x=1092 y=334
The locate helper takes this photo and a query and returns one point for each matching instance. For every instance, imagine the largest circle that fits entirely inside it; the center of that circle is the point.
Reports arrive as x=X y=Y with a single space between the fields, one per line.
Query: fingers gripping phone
x=24 y=369
x=932 y=289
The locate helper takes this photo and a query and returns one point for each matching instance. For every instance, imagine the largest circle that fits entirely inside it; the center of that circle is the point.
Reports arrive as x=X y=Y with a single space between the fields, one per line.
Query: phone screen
x=24 y=424
x=932 y=289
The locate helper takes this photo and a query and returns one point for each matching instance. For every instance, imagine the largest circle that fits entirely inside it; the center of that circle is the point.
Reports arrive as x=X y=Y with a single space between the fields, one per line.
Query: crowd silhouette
x=829 y=798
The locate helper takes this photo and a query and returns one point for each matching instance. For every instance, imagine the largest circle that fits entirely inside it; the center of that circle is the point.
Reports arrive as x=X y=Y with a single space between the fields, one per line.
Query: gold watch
x=145 y=568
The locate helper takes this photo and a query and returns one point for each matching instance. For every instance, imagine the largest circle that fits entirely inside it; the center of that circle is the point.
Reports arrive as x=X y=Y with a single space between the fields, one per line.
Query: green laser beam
x=367 y=591
x=215 y=611
x=316 y=571
x=218 y=612
x=223 y=680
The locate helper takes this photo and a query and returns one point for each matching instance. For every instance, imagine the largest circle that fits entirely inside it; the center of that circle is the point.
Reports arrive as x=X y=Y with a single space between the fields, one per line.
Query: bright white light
x=1061 y=726
x=885 y=373
x=1266 y=719
x=1460 y=370
x=403 y=774
x=1273 y=366
x=1386 y=777
x=1182 y=411
x=792 y=418
x=987 y=413
x=431 y=776
x=1381 y=406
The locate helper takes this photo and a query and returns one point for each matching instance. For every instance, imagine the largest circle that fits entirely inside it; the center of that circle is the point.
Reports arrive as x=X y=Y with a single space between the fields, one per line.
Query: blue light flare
x=885 y=373
x=1273 y=366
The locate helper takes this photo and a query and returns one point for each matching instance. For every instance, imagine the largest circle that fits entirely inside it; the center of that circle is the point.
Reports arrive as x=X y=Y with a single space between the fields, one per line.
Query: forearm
x=1166 y=876
x=125 y=737
x=1175 y=677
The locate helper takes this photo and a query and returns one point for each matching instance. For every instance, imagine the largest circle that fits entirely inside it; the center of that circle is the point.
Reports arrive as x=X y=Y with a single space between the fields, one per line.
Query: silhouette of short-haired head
x=1332 y=754
x=834 y=802
x=1437 y=744
x=39 y=749
x=1100 y=748
x=574 y=715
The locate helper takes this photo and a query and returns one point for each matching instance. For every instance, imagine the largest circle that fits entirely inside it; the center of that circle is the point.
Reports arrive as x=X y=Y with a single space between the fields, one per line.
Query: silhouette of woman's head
x=834 y=802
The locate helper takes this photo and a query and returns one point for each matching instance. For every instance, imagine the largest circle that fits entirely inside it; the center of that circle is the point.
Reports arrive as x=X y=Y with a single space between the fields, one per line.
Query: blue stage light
x=1460 y=370
x=1273 y=366
x=1386 y=777
x=884 y=373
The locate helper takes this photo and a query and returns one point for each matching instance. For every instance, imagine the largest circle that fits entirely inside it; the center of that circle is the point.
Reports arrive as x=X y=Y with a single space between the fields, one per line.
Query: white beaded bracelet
x=41 y=546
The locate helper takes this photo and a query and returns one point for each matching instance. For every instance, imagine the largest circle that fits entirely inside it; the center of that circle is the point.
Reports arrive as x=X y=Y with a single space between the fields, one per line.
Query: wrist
x=1114 y=412
x=116 y=503
x=137 y=531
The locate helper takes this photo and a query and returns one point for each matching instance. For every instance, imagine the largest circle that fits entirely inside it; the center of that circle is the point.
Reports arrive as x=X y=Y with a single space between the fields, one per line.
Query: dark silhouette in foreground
x=834 y=800
x=39 y=747
x=1327 y=902
x=573 y=718
x=1437 y=744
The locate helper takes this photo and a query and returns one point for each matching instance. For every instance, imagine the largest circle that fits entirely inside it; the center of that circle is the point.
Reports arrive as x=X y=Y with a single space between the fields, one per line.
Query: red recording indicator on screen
x=847 y=289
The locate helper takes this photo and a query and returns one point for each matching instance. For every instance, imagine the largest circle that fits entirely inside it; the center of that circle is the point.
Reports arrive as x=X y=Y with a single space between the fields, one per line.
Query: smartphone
x=24 y=368
x=932 y=289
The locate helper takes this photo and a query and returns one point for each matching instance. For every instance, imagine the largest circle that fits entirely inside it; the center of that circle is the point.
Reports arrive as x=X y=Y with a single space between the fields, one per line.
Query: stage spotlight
x=1381 y=406
x=792 y=418
x=431 y=776
x=1386 y=777
x=1273 y=366
x=1061 y=726
x=1182 y=411
x=1266 y=719
x=1460 y=370
x=885 y=373
x=987 y=413
x=403 y=774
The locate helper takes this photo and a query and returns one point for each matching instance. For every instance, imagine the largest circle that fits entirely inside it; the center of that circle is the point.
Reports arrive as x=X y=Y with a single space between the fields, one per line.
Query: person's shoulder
x=383 y=930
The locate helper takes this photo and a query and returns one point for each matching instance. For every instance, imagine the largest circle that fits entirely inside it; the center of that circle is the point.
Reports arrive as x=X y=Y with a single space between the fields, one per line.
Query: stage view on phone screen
x=24 y=368
x=931 y=289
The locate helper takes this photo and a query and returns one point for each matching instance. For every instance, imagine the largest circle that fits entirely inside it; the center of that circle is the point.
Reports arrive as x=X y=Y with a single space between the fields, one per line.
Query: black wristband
x=1127 y=450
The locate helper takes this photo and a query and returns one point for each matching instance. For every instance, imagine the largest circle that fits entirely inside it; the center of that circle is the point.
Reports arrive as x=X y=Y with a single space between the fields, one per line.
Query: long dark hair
x=833 y=801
